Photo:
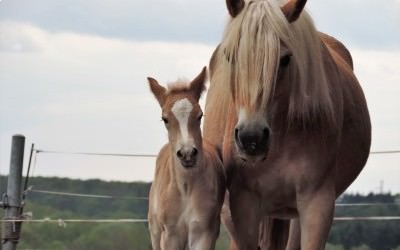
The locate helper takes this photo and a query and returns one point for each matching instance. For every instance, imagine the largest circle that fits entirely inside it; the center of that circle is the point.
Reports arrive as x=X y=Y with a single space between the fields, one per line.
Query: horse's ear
x=198 y=85
x=158 y=90
x=293 y=9
x=235 y=6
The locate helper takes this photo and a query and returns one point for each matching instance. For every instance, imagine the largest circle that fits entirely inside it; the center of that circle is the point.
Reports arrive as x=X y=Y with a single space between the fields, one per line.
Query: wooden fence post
x=12 y=199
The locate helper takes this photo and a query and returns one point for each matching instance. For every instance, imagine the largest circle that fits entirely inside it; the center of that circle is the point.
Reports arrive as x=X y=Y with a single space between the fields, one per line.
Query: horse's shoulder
x=335 y=46
x=211 y=152
x=213 y=61
x=213 y=158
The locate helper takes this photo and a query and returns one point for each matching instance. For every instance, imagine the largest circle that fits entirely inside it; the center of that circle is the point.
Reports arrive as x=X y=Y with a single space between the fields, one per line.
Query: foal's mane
x=184 y=87
x=249 y=55
x=177 y=87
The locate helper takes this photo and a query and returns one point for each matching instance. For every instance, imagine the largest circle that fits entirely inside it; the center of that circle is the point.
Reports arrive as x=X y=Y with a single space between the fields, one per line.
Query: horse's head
x=291 y=9
x=181 y=114
x=257 y=54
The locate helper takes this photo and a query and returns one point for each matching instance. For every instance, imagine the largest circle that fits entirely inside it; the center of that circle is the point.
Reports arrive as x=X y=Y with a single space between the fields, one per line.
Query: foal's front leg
x=173 y=238
x=246 y=218
x=155 y=234
x=202 y=236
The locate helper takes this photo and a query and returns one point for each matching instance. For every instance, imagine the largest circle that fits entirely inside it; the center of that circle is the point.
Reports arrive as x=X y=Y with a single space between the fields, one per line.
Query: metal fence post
x=12 y=199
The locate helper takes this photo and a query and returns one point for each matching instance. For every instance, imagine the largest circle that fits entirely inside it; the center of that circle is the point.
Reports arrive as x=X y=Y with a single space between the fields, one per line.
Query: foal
x=189 y=185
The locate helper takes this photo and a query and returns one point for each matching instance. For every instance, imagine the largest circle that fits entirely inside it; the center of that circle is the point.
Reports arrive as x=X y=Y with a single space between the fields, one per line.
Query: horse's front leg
x=316 y=211
x=245 y=210
x=226 y=218
x=294 y=235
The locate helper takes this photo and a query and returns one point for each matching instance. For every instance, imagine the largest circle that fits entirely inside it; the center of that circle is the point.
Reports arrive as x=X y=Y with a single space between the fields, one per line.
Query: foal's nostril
x=179 y=154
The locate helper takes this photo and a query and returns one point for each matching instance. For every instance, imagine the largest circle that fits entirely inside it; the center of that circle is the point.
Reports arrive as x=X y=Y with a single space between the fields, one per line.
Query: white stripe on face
x=242 y=117
x=181 y=109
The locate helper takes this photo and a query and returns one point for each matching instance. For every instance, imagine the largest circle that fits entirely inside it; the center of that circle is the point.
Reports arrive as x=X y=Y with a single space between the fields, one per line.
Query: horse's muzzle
x=252 y=142
x=187 y=156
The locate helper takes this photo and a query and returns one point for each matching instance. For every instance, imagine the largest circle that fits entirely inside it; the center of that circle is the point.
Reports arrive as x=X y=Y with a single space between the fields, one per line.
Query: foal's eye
x=165 y=120
x=285 y=60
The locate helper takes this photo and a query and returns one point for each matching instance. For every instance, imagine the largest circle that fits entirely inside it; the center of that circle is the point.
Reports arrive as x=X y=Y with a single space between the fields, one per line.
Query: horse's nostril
x=194 y=152
x=266 y=133
x=252 y=142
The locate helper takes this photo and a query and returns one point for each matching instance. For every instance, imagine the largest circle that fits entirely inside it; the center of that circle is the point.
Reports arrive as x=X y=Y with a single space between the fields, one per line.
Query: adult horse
x=290 y=120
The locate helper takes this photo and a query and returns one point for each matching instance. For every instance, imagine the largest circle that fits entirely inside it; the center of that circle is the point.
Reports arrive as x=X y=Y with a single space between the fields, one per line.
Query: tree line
x=344 y=235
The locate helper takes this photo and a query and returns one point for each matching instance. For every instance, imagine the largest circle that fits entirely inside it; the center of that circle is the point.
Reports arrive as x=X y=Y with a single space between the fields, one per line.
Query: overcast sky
x=73 y=77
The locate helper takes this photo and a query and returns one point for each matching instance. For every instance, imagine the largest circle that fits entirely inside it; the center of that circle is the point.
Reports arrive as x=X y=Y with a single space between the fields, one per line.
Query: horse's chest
x=278 y=199
x=277 y=191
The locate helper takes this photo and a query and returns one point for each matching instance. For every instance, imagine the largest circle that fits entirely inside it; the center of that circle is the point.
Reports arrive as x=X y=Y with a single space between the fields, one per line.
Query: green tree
x=333 y=247
x=362 y=247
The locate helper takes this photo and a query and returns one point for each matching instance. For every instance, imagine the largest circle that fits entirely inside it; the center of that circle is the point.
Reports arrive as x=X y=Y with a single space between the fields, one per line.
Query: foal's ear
x=198 y=85
x=158 y=91
x=234 y=6
x=293 y=9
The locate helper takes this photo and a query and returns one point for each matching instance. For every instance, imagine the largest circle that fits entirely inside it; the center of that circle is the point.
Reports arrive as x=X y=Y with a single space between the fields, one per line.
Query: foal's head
x=181 y=114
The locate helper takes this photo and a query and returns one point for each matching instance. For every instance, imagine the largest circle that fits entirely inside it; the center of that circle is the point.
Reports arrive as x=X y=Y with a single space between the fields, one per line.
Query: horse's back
x=336 y=47
x=356 y=128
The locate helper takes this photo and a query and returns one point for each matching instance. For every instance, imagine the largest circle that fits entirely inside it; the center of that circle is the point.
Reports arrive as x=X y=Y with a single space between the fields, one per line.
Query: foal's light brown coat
x=189 y=185
x=275 y=77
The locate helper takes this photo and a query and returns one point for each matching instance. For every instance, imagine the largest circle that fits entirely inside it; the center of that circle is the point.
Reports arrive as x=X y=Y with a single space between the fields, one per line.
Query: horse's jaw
x=249 y=160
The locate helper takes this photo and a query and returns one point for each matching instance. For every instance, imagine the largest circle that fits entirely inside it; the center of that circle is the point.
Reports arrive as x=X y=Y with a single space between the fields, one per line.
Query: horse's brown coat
x=309 y=162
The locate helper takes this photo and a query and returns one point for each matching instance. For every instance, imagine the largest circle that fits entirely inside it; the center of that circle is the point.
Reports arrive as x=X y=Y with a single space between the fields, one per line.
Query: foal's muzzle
x=187 y=156
x=252 y=142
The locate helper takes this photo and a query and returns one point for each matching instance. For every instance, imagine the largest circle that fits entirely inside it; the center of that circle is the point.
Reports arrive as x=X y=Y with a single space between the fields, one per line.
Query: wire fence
x=155 y=155
x=63 y=222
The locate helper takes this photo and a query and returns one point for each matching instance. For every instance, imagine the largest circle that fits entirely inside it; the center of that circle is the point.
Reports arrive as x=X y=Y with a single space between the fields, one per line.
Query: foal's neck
x=183 y=178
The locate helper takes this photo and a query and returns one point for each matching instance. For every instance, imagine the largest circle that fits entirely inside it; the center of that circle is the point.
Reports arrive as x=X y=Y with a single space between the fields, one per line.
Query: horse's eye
x=165 y=120
x=285 y=60
x=200 y=116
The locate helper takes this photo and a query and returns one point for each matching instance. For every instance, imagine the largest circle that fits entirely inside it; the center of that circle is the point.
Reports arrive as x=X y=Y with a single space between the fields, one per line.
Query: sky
x=73 y=77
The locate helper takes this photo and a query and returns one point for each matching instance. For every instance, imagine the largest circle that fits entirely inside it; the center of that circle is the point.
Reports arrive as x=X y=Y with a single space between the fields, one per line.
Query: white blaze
x=258 y=118
x=181 y=109
x=242 y=117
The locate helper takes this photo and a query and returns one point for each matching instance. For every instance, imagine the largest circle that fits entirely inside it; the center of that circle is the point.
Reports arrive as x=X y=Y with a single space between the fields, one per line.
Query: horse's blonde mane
x=249 y=56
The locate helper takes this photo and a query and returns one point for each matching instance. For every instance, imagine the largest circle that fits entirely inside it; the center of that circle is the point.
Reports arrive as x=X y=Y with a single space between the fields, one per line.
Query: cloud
x=378 y=73
x=81 y=92
x=368 y=24
x=18 y=38
x=168 y=20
